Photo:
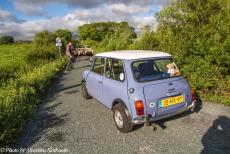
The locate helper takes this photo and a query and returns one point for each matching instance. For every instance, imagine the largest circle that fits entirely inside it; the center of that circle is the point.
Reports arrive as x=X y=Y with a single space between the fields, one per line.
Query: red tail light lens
x=139 y=107
x=193 y=95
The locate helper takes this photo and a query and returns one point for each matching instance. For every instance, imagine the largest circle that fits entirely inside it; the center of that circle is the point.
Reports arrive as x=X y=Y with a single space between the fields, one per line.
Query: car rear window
x=154 y=69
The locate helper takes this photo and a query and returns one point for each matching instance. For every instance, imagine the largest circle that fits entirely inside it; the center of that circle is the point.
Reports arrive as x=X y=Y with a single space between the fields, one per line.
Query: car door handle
x=100 y=82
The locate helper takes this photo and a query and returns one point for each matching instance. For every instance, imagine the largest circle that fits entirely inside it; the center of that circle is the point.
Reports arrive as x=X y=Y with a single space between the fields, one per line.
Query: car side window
x=114 y=69
x=99 y=66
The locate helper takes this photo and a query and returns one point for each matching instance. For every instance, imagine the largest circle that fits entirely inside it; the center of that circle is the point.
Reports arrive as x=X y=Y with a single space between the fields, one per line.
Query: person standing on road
x=69 y=55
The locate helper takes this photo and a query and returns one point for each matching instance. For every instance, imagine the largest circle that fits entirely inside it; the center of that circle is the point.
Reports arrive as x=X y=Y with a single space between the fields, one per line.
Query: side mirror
x=91 y=61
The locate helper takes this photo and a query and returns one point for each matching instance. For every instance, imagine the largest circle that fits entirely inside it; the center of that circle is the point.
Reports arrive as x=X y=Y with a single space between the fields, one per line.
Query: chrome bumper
x=147 y=118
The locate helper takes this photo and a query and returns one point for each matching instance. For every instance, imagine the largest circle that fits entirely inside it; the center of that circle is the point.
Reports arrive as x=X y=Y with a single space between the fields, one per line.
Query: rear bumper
x=148 y=118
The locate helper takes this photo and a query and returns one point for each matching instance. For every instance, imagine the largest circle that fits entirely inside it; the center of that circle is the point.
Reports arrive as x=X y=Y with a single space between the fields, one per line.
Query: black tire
x=84 y=91
x=127 y=124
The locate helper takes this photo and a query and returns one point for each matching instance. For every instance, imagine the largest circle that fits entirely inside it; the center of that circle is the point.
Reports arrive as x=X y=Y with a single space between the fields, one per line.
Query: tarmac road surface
x=65 y=122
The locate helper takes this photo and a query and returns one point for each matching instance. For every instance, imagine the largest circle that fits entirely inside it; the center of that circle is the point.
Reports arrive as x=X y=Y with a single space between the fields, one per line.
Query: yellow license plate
x=171 y=101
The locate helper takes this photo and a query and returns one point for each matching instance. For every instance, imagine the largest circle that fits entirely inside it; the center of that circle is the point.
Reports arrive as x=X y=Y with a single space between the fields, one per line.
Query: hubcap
x=118 y=119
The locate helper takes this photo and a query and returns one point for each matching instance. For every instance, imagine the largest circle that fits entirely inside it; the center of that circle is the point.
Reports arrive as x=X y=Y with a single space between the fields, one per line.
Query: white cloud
x=123 y=9
x=136 y=16
x=140 y=22
x=80 y=15
x=29 y=10
x=4 y=15
x=35 y=7
x=7 y=16
x=27 y=30
x=94 y=3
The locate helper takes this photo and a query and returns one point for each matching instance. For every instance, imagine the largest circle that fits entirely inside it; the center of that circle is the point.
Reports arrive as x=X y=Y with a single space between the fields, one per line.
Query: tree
x=147 y=41
x=197 y=32
x=6 y=39
x=64 y=34
x=44 y=39
x=105 y=36
x=101 y=30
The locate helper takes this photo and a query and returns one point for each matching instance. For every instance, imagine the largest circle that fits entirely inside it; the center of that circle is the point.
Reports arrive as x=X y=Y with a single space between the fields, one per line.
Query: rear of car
x=161 y=91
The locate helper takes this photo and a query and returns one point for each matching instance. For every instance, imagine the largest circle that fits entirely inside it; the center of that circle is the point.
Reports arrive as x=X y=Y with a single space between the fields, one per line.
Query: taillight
x=193 y=95
x=139 y=107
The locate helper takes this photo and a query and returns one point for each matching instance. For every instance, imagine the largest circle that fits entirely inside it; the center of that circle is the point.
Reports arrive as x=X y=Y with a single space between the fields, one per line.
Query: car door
x=114 y=83
x=95 y=79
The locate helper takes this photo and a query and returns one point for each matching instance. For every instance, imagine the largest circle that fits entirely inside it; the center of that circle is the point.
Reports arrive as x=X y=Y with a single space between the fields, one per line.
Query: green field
x=12 y=60
x=23 y=84
x=13 y=52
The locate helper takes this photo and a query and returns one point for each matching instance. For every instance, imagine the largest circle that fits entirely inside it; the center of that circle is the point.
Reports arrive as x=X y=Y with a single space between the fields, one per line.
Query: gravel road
x=65 y=122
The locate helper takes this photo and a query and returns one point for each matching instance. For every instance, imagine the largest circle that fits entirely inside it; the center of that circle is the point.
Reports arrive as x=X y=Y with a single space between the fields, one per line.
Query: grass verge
x=19 y=97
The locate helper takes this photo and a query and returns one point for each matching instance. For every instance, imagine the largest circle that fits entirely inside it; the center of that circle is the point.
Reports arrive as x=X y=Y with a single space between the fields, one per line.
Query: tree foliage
x=148 y=40
x=6 y=39
x=64 y=34
x=105 y=36
x=44 y=39
x=44 y=44
x=197 y=32
x=98 y=31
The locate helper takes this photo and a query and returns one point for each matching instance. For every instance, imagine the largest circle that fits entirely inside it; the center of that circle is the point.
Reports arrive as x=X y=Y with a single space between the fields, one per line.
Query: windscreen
x=154 y=69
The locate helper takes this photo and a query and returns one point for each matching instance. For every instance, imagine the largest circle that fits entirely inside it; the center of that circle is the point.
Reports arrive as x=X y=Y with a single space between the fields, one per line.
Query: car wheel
x=84 y=91
x=123 y=123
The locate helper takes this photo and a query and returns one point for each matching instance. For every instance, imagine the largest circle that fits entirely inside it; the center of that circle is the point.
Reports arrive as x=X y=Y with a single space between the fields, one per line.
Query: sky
x=23 y=18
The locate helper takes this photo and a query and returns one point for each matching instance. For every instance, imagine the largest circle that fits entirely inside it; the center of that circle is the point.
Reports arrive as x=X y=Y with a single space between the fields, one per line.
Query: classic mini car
x=138 y=86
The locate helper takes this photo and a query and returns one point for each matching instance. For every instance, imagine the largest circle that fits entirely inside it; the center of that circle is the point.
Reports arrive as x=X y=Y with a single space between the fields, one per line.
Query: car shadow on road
x=217 y=138
x=69 y=87
x=198 y=107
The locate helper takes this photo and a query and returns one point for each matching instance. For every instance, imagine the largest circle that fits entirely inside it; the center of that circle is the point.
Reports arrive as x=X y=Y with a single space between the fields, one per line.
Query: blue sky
x=23 y=18
x=54 y=9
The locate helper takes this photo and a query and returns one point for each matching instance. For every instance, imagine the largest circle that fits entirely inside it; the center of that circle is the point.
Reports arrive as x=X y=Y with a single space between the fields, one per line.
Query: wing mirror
x=91 y=61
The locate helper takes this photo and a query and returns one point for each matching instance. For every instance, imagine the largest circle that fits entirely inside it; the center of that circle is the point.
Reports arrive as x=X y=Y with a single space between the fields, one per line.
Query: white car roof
x=133 y=54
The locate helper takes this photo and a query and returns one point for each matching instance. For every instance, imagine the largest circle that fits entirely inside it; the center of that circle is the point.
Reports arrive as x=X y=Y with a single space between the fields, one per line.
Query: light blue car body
x=109 y=91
